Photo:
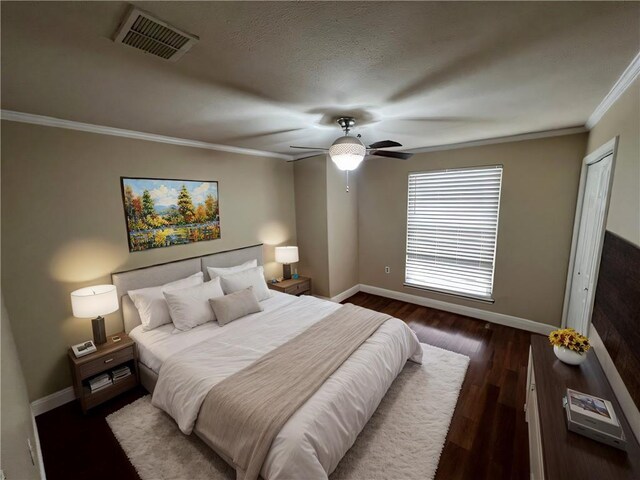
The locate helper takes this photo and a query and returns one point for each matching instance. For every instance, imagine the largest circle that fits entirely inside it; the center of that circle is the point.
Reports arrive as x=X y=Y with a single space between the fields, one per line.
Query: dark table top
x=568 y=455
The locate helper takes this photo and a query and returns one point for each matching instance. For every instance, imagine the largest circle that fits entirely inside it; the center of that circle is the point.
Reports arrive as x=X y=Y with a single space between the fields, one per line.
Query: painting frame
x=167 y=230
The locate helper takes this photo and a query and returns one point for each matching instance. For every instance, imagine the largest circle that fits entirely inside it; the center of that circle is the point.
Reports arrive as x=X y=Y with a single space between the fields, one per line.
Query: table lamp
x=286 y=256
x=93 y=302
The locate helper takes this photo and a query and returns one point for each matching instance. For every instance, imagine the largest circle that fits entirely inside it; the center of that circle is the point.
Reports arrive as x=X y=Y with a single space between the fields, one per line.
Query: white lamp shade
x=347 y=153
x=286 y=255
x=92 y=302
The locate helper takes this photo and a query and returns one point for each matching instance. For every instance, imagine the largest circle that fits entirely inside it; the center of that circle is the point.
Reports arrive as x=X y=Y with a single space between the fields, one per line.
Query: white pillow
x=150 y=302
x=253 y=277
x=190 y=307
x=222 y=271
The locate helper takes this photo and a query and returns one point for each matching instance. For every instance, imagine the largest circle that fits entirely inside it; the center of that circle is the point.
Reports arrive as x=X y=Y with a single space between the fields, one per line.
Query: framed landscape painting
x=162 y=213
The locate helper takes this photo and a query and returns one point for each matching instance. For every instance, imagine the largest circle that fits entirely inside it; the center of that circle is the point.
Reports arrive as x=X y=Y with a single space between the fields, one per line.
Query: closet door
x=591 y=217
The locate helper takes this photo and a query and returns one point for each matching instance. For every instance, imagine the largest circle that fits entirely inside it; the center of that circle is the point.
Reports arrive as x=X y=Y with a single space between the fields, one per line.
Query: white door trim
x=611 y=147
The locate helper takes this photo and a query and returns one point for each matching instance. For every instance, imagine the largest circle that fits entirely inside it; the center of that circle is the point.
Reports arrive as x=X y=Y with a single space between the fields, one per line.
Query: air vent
x=142 y=31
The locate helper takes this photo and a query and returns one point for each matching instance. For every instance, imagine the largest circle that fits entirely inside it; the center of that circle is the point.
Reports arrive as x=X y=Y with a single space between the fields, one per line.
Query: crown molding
x=621 y=85
x=494 y=140
x=21 y=117
x=43 y=120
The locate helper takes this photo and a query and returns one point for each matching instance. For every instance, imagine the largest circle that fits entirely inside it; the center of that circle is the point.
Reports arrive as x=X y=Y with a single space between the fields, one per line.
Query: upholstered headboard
x=168 y=272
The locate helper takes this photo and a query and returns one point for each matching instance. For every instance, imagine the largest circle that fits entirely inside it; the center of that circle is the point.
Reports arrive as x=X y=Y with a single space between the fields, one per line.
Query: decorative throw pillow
x=150 y=302
x=254 y=277
x=190 y=307
x=221 y=271
x=235 y=305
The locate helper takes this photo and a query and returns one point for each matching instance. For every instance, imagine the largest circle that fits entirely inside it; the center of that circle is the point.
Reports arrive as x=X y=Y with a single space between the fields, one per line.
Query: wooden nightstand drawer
x=298 y=288
x=293 y=286
x=106 y=362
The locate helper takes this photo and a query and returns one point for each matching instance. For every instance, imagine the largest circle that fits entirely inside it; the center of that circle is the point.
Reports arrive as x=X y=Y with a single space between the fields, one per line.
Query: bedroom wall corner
x=63 y=226
x=17 y=422
x=342 y=220
x=327 y=223
x=311 y=221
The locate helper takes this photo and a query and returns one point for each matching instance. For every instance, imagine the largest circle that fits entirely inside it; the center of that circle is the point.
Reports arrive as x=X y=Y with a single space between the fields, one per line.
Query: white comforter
x=317 y=436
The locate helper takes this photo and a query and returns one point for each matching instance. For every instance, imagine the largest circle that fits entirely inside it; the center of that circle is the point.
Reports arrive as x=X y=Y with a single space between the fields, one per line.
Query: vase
x=569 y=356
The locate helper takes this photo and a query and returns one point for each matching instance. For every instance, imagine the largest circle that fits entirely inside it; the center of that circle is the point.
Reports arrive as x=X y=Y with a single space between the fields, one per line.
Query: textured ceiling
x=266 y=75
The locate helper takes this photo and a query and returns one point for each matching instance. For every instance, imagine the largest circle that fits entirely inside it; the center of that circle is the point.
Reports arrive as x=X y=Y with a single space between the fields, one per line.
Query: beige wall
x=342 y=220
x=63 y=226
x=17 y=425
x=539 y=189
x=311 y=221
x=623 y=119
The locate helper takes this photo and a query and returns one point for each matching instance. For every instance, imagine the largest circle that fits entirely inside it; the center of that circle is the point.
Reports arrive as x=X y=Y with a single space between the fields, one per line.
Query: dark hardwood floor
x=487 y=438
x=76 y=446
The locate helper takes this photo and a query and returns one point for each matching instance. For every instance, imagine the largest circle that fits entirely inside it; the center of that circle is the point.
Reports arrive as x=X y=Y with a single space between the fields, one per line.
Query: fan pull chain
x=347 y=181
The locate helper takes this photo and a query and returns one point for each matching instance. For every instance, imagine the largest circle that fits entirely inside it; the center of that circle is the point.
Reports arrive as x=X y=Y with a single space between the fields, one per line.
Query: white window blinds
x=452 y=227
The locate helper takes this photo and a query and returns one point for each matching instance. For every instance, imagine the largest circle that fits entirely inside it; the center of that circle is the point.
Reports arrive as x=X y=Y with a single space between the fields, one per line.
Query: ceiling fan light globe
x=347 y=153
x=347 y=162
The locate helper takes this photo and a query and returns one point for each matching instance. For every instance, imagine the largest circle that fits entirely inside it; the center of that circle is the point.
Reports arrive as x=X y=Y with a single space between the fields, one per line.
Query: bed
x=315 y=438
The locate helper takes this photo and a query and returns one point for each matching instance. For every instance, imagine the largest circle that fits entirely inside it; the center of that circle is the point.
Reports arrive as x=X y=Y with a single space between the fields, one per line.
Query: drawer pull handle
x=108 y=360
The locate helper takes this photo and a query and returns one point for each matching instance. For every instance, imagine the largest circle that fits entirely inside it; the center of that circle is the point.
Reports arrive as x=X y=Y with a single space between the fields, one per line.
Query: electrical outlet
x=31 y=452
x=387 y=269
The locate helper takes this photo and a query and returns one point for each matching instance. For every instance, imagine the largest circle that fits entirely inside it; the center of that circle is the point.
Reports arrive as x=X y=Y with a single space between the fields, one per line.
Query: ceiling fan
x=347 y=152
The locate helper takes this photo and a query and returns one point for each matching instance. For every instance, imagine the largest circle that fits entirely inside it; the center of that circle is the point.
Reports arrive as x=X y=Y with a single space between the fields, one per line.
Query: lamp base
x=99 y=333
x=286 y=271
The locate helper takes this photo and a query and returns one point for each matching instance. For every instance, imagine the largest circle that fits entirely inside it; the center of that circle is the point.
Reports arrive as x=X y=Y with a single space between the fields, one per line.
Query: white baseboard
x=493 y=317
x=346 y=294
x=52 y=401
x=615 y=380
x=43 y=474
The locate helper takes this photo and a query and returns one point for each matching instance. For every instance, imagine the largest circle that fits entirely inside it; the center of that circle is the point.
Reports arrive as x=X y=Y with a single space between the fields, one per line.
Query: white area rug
x=403 y=439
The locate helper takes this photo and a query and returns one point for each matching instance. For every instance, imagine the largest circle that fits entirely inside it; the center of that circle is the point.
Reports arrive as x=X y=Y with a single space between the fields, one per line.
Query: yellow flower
x=569 y=338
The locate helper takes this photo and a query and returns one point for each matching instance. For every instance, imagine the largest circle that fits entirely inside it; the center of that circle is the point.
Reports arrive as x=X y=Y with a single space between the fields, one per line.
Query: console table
x=554 y=451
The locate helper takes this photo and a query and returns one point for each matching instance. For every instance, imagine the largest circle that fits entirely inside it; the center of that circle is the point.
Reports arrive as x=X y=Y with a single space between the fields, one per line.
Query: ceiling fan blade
x=389 y=154
x=255 y=136
x=302 y=158
x=309 y=148
x=441 y=119
x=385 y=144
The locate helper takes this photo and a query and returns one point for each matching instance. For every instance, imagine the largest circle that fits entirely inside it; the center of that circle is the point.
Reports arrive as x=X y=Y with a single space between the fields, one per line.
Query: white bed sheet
x=155 y=346
x=317 y=436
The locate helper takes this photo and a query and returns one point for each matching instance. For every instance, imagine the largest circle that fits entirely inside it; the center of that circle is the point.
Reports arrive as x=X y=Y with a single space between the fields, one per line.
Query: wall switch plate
x=387 y=269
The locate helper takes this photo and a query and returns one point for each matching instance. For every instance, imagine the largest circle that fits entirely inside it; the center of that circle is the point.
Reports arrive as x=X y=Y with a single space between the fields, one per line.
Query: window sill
x=452 y=294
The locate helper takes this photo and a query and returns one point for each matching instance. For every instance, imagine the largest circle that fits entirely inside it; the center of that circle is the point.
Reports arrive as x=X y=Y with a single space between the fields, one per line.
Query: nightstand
x=108 y=356
x=295 y=286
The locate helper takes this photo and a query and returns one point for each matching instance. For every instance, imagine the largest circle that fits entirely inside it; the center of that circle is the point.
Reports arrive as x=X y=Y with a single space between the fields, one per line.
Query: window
x=452 y=228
